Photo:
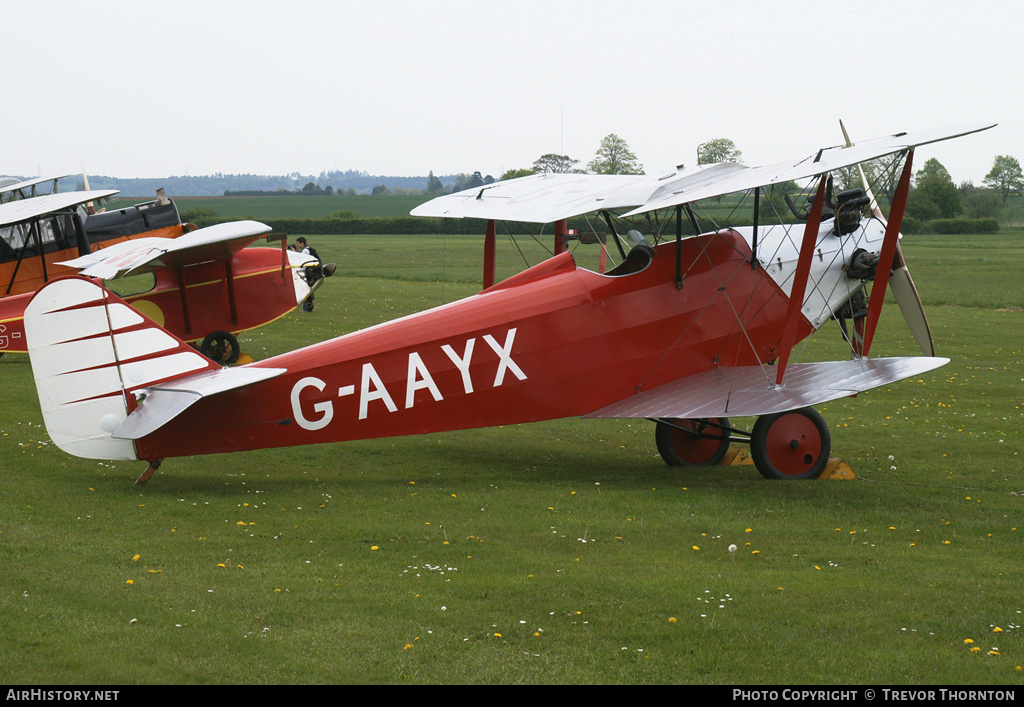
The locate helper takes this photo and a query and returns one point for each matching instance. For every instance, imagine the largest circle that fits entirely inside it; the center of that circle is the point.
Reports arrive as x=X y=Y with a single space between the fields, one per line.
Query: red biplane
x=203 y=285
x=686 y=332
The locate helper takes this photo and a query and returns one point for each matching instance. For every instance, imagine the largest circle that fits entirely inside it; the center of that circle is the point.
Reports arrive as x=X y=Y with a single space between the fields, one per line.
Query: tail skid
x=90 y=352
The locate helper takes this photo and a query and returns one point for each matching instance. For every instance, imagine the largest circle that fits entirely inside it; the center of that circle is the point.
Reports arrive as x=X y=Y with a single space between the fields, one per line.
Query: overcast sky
x=151 y=89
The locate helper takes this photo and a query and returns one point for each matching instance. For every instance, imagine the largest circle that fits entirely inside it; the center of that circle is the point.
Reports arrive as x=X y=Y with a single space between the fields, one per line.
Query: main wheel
x=698 y=442
x=222 y=347
x=791 y=445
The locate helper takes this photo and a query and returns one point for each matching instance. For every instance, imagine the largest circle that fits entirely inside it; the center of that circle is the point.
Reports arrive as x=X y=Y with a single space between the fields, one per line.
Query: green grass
x=558 y=552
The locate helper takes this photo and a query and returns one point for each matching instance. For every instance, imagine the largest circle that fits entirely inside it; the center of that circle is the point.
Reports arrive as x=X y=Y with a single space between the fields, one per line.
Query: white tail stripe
x=65 y=325
x=68 y=357
x=151 y=370
x=142 y=343
x=64 y=388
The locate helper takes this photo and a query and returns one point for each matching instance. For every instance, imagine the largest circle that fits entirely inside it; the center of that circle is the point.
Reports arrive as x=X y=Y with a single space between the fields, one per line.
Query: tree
x=516 y=173
x=718 y=150
x=434 y=185
x=1005 y=176
x=615 y=157
x=558 y=164
x=978 y=202
x=934 y=194
x=772 y=202
x=469 y=181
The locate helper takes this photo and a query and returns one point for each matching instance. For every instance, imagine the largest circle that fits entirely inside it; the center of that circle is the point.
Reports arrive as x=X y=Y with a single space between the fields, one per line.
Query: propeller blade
x=900 y=282
x=902 y=286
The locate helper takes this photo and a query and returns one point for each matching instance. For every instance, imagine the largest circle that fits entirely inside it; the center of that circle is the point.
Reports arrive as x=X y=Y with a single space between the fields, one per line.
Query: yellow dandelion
x=221 y=564
x=975 y=649
x=135 y=559
x=696 y=548
x=497 y=635
x=993 y=652
x=672 y=619
x=407 y=646
x=968 y=641
x=374 y=548
x=997 y=630
x=130 y=581
x=755 y=552
x=749 y=530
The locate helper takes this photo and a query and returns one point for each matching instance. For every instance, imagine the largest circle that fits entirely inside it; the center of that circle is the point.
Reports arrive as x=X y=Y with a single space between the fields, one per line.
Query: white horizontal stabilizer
x=162 y=403
x=746 y=391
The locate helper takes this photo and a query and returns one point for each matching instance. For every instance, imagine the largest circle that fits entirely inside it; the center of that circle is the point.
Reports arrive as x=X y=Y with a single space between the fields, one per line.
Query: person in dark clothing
x=313 y=273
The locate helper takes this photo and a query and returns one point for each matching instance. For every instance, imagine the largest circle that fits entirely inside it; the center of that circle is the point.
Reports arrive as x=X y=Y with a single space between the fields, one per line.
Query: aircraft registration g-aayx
x=203 y=285
x=687 y=333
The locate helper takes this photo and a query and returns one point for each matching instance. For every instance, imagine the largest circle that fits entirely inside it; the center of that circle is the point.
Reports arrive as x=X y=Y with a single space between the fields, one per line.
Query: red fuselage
x=554 y=341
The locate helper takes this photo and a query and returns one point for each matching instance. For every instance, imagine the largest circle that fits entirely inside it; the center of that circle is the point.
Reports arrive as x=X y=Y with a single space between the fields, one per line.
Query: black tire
x=222 y=347
x=791 y=445
x=692 y=442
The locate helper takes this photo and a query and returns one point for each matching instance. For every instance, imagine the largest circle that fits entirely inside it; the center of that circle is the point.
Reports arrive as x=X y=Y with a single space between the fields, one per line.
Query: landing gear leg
x=144 y=477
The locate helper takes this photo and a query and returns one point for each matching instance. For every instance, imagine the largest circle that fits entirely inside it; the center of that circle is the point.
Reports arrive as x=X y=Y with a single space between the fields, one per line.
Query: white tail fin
x=90 y=351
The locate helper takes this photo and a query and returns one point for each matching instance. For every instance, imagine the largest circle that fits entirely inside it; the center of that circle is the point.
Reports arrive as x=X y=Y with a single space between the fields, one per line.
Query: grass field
x=560 y=552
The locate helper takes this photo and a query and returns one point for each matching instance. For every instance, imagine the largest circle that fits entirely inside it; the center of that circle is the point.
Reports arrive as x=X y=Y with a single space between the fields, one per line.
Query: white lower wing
x=750 y=390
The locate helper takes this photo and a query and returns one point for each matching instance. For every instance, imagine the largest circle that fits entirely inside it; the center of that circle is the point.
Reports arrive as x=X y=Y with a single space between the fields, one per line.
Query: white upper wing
x=142 y=254
x=31 y=182
x=26 y=209
x=545 y=198
x=825 y=160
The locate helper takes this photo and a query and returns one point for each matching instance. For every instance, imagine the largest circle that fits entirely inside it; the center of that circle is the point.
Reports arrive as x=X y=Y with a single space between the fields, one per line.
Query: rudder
x=89 y=351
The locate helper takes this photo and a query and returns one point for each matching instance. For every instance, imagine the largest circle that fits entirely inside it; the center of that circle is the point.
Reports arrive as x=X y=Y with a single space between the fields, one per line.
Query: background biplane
x=39 y=231
x=203 y=285
x=686 y=332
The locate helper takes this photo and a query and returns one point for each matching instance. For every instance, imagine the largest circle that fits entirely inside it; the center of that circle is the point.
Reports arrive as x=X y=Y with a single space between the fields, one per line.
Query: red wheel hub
x=793 y=444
